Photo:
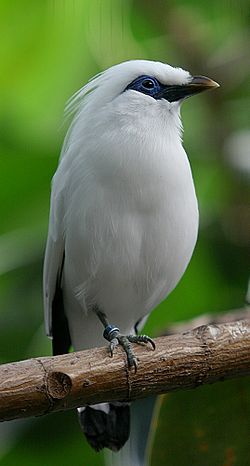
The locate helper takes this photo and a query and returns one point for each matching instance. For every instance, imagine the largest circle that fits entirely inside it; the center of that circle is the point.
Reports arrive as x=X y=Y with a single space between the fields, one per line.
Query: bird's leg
x=115 y=338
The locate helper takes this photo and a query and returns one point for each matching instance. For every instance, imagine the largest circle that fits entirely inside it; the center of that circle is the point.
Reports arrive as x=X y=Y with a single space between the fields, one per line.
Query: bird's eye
x=148 y=84
x=145 y=84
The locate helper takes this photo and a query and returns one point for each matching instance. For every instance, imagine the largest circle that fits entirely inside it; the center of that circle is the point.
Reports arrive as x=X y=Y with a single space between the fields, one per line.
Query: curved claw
x=149 y=340
x=113 y=343
x=135 y=364
x=132 y=360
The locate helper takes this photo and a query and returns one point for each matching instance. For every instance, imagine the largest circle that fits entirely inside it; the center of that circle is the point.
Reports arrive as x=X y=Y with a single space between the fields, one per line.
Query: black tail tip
x=106 y=429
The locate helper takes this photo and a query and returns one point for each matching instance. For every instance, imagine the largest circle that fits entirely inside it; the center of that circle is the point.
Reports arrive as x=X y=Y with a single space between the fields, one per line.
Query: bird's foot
x=115 y=338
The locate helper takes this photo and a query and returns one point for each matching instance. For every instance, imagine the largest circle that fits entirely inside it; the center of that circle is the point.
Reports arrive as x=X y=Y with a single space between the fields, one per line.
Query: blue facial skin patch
x=145 y=84
x=153 y=88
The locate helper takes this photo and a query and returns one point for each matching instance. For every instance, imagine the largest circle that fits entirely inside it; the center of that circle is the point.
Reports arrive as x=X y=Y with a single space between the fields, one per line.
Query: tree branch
x=207 y=354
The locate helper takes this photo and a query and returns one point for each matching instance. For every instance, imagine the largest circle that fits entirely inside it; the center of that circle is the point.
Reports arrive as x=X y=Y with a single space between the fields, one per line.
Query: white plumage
x=123 y=204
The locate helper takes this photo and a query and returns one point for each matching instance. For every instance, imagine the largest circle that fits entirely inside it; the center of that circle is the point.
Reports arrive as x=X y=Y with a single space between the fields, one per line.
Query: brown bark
x=204 y=355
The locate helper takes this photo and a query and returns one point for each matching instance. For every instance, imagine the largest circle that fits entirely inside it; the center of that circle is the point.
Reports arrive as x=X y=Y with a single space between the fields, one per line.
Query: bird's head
x=133 y=97
x=142 y=82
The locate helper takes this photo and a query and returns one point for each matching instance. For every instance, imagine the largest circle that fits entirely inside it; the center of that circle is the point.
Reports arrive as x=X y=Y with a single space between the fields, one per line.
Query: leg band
x=111 y=332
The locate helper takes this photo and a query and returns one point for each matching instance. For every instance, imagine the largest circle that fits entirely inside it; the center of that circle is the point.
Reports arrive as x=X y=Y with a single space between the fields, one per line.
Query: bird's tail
x=106 y=425
x=136 y=450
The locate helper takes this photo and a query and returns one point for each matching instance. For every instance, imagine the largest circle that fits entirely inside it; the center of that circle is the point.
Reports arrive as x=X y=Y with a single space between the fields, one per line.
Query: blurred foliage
x=212 y=427
x=48 y=50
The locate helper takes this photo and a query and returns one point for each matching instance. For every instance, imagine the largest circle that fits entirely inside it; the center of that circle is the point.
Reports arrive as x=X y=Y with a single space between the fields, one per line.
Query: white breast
x=131 y=227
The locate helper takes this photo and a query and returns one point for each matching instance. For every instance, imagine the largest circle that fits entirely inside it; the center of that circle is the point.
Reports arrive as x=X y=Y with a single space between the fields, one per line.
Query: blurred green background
x=48 y=50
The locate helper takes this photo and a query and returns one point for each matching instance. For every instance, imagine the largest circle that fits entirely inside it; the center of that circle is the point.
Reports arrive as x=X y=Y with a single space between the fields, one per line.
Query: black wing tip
x=61 y=340
x=106 y=430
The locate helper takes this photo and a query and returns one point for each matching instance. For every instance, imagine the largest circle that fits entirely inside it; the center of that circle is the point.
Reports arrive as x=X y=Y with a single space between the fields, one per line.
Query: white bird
x=123 y=219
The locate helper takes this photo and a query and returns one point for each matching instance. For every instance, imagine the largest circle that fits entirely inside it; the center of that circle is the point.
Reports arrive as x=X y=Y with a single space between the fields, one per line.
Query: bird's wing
x=56 y=325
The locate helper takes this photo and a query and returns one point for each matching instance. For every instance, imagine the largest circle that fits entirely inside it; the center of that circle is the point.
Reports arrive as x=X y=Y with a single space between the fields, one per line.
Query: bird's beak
x=197 y=84
x=200 y=84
